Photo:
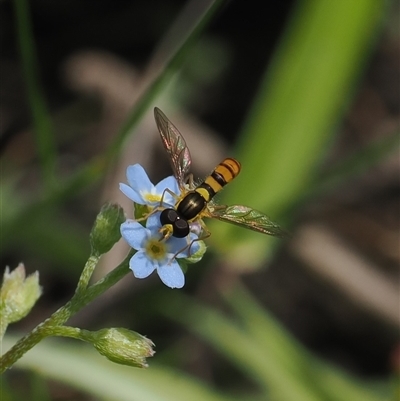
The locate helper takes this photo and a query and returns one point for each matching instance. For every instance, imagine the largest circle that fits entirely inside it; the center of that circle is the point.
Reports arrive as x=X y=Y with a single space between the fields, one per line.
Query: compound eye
x=181 y=228
x=168 y=216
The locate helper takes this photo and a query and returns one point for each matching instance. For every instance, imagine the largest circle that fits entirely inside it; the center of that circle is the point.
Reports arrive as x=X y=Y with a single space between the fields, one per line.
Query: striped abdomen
x=195 y=201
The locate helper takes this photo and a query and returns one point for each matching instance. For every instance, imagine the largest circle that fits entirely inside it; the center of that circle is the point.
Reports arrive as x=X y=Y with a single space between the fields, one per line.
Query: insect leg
x=158 y=208
x=190 y=181
x=173 y=194
x=205 y=234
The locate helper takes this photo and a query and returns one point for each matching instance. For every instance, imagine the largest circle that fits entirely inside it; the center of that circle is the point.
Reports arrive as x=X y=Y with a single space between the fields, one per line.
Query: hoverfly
x=196 y=201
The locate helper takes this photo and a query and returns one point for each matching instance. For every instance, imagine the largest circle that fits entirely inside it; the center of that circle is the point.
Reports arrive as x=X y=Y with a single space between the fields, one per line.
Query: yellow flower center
x=156 y=249
x=152 y=197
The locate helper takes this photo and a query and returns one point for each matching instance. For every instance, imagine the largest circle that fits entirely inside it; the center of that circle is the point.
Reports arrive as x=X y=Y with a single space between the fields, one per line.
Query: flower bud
x=18 y=294
x=123 y=346
x=196 y=257
x=105 y=232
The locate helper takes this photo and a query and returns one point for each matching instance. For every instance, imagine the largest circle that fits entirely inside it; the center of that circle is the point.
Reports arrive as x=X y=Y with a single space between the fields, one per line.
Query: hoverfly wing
x=247 y=217
x=175 y=145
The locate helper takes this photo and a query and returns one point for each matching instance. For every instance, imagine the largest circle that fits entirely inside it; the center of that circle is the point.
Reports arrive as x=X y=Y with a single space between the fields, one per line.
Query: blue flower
x=153 y=254
x=141 y=190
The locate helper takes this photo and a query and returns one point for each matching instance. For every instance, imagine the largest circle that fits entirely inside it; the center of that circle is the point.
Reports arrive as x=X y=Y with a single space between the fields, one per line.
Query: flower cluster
x=153 y=251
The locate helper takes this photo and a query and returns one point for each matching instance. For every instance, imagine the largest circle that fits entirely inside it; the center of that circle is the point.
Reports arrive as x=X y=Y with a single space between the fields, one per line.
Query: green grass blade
x=255 y=343
x=82 y=368
x=301 y=98
x=95 y=169
x=358 y=162
x=41 y=118
x=237 y=345
x=298 y=363
x=171 y=66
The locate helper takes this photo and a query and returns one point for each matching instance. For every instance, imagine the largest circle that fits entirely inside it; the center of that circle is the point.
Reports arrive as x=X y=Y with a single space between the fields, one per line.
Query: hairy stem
x=59 y=317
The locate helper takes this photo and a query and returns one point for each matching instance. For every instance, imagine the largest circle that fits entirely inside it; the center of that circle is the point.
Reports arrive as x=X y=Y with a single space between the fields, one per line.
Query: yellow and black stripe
x=224 y=173
x=195 y=201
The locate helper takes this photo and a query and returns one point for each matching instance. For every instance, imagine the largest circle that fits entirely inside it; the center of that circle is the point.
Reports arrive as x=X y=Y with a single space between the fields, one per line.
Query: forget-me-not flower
x=156 y=254
x=141 y=190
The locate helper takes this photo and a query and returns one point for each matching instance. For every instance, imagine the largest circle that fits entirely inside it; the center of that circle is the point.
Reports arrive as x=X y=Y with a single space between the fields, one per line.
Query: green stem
x=78 y=301
x=3 y=326
x=64 y=331
x=71 y=332
x=87 y=273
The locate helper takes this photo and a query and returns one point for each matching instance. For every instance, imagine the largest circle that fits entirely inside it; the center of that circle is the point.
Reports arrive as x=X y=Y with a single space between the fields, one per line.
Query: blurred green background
x=306 y=95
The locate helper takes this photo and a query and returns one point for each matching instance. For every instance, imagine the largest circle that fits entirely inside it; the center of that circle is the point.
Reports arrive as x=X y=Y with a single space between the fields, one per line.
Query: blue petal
x=171 y=275
x=195 y=247
x=171 y=184
x=153 y=223
x=141 y=265
x=131 y=193
x=177 y=244
x=138 y=179
x=134 y=233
